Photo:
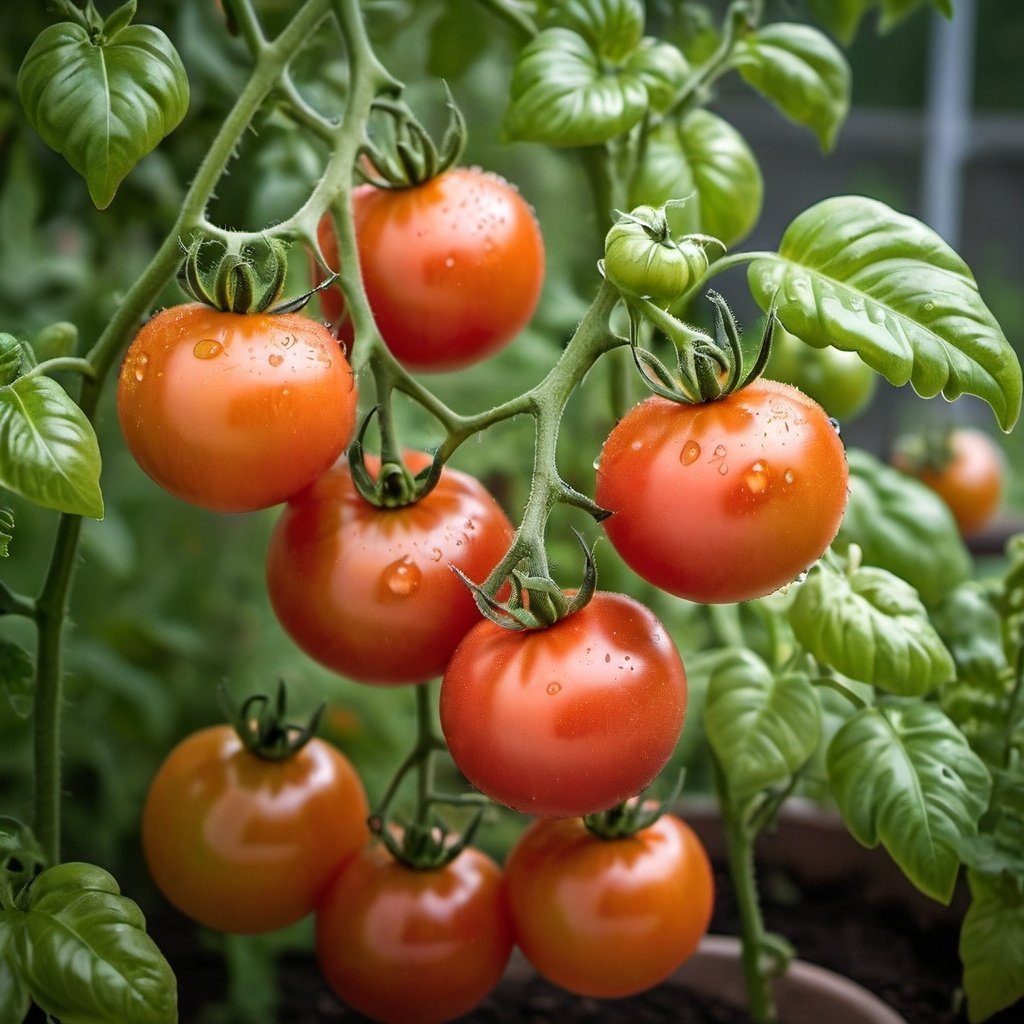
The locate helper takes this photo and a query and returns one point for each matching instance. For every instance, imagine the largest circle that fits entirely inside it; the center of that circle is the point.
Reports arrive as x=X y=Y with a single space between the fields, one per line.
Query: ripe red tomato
x=970 y=483
x=414 y=947
x=567 y=720
x=726 y=500
x=235 y=412
x=247 y=845
x=370 y=592
x=453 y=268
x=608 y=917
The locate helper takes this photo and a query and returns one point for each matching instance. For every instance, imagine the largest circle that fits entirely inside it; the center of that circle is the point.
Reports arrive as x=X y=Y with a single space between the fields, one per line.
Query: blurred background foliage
x=170 y=601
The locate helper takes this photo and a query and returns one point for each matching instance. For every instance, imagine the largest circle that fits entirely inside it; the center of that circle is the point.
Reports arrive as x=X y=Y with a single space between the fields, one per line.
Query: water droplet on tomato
x=636 y=445
x=143 y=359
x=723 y=469
x=789 y=477
x=690 y=453
x=757 y=478
x=835 y=423
x=436 y=554
x=720 y=452
x=402 y=577
x=449 y=262
x=140 y=374
x=288 y=340
x=275 y=359
x=207 y=348
x=554 y=688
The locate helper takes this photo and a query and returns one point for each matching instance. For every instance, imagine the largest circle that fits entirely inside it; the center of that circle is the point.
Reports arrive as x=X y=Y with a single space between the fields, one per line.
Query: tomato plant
x=244 y=844
x=567 y=720
x=235 y=412
x=608 y=917
x=414 y=946
x=452 y=268
x=370 y=592
x=724 y=500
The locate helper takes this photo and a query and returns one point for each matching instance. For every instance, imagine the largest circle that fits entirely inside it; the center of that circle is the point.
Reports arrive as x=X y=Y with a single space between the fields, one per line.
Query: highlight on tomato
x=724 y=500
x=452 y=267
x=370 y=592
x=235 y=412
x=414 y=946
x=245 y=844
x=569 y=719
x=608 y=917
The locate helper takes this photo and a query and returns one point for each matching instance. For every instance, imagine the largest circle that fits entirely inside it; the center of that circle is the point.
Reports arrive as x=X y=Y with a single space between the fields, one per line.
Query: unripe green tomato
x=840 y=382
x=640 y=265
x=55 y=340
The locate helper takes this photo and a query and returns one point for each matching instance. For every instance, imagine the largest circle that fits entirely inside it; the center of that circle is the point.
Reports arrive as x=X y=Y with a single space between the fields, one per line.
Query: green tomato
x=841 y=382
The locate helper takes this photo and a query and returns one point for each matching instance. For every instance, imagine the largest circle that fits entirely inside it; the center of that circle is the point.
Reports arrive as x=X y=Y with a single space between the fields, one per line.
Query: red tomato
x=726 y=500
x=243 y=844
x=414 y=947
x=608 y=917
x=370 y=592
x=235 y=412
x=971 y=483
x=570 y=719
x=453 y=268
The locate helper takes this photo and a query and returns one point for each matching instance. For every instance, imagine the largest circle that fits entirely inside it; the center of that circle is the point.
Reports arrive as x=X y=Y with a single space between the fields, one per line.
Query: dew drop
x=449 y=262
x=789 y=477
x=597 y=461
x=756 y=478
x=636 y=445
x=288 y=340
x=207 y=348
x=607 y=658
x=553 y=688
x=143 y=359
x=275 y=359
x=723 y=469
x=402 y=577
x=835 y=423
x=140 y=373
x=720 y=451
x=436 y=554
x=690 y=453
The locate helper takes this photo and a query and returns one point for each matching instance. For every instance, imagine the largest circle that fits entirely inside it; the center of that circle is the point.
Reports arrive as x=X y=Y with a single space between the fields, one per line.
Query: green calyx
x=626 y=819
x=424 y=846
x=263 y=727
x=245 y=279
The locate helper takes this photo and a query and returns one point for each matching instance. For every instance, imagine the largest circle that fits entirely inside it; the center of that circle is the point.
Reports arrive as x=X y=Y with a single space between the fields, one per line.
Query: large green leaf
x=870 y=625
x=763 y=727
x=14 y=997
x=48 y=449
x=105 y=103
x=703 y=159
x=853 y=273
x=612 y=27
x=84 y=953
x=992 y=945
x=903 y=526
x=802 y=72
x=903 y=775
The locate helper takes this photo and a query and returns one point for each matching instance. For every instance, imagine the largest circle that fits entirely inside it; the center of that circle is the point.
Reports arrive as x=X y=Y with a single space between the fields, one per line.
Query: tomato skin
x=235 y=412
x=608 y=917
x=246 y=845
x=567 y=720
x=414 y=947
x=727 y=500
x=370 y=592
x=452 y=268
x=972 y=483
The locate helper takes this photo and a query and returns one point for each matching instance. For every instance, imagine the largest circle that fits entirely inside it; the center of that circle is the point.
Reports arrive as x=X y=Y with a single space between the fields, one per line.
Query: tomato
x=570 y=719
x=969 y=480
x=235 y=412
x=452 y=268
x=725 y=500
x=247 y=845
x=840 y=382
x=370 y=592
x=608 y=917
x=414 y=946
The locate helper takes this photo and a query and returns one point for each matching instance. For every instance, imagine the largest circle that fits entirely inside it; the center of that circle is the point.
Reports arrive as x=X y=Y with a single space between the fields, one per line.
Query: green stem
x=13 y=603
x=58 y=364
x=725 y=263
x=511 y=12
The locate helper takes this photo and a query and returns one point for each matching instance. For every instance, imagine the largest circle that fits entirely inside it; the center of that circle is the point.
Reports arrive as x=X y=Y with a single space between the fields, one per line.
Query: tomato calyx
x=631 y=816
x=263 y=727
x=424 y=846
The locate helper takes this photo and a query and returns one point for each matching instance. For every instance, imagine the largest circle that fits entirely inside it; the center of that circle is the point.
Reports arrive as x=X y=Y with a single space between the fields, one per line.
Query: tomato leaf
x=801 y=71
x=903 y=526
x=871 y=626
x=702 y=158
x=6 y=531
x=14 y=997
x=853 y=273
x=84 y=953
x=17 y=676
x=763 y=727
x=992 y=945
x=48 y=449
x=103 y=105
x=903 y=775
x=612 y=27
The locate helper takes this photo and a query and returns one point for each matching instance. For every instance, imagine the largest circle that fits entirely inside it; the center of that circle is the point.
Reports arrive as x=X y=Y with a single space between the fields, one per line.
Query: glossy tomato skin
x=567 y=720
x=608 y=917
x=246 y=845
x=414 y=947
x=370 y=592
x=235 y=412
x=727 y=500
x=453 y=268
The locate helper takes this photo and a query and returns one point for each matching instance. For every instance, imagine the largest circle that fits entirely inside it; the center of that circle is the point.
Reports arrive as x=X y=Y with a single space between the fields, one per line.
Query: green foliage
x=17 y=675
x=844 y=16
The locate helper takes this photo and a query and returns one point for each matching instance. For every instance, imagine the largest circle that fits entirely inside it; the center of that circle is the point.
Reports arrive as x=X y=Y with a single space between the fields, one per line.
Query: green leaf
x=14 y=997
x=902 y=775
x=763 y=727
x=6 y=531
x=103 y=105
x=802 y=72
x=992 y=945
x=612 y=28
x=853 y=273
x=10 y=358
x=841 y=17
x=48 y=449
x=704 y=159
x=903 y=526
x=894 y=11
x=17 y=676
x=870 y=625
x=85 y=955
